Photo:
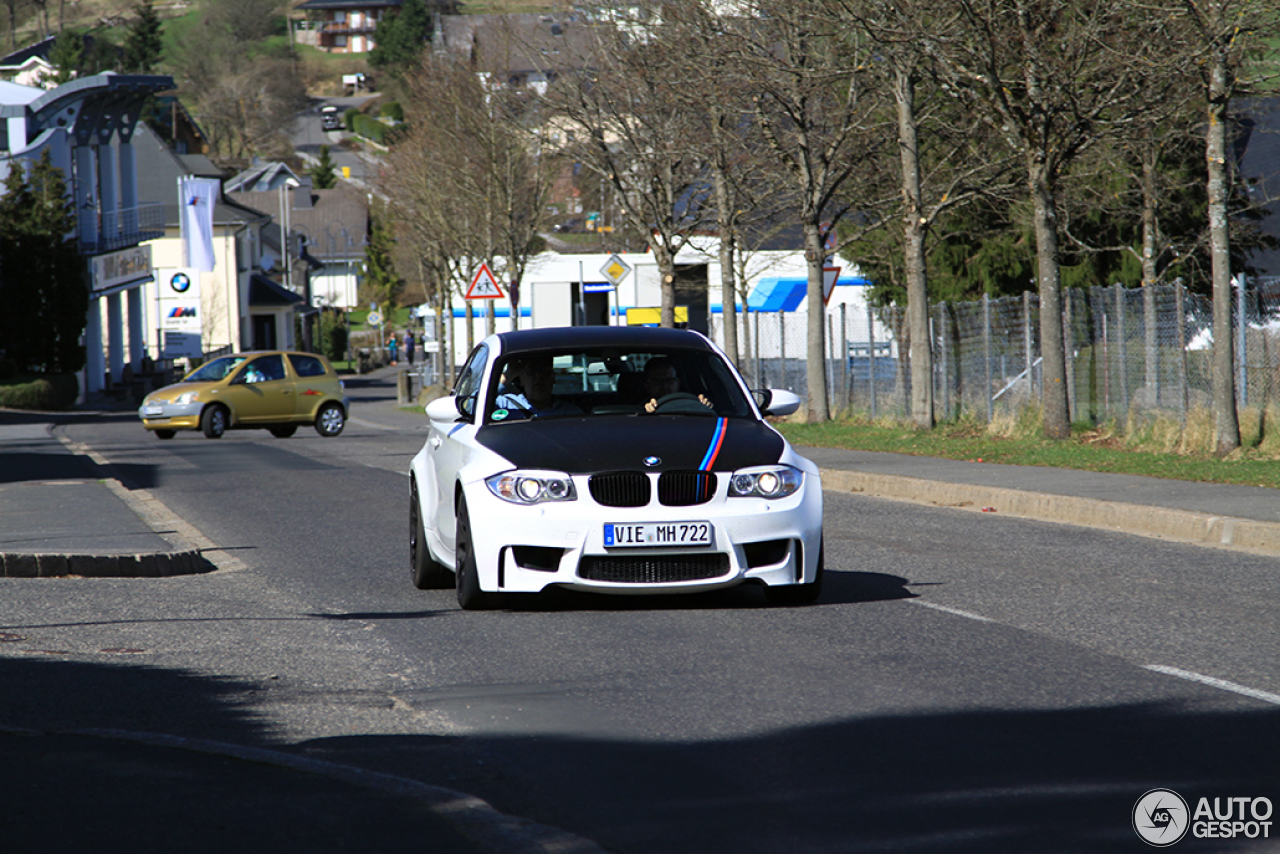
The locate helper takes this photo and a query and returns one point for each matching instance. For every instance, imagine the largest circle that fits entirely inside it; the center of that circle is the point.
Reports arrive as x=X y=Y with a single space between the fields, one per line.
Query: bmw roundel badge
x=652 y=461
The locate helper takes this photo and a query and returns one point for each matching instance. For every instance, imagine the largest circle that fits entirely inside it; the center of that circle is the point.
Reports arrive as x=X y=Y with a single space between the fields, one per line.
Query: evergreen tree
x=401 y=36
x=323 y=174
x=19 y=320
x=67 y=56
x=142 y=46
x=42 y=281
x=382 y=284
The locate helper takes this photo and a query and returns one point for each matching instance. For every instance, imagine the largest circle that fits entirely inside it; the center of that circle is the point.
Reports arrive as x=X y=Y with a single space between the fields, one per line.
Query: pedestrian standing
x=408 y=346
x=391 y=349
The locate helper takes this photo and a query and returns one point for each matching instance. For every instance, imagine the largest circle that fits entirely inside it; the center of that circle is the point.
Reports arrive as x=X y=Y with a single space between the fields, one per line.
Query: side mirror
x=443 y=409
x=776 y=401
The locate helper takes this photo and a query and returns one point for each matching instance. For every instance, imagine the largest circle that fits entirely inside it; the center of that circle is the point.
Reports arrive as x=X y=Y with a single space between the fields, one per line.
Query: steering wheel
x=681 y=403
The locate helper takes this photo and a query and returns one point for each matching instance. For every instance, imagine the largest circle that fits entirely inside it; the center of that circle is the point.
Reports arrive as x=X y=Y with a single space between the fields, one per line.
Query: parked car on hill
x=274 y=390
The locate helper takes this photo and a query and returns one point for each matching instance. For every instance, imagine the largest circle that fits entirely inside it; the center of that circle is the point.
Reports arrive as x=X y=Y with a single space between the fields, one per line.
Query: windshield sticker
x=499 y=414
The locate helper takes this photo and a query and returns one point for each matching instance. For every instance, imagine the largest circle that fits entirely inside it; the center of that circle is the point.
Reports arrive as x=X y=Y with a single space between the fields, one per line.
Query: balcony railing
x=105 y=231
x=347 y=27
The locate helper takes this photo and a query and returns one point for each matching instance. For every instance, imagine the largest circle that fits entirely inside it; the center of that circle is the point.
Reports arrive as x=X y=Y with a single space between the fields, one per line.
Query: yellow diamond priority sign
x=615 y=269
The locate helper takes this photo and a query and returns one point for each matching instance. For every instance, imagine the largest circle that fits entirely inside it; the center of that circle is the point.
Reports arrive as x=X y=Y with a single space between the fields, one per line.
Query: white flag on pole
x=196 y=197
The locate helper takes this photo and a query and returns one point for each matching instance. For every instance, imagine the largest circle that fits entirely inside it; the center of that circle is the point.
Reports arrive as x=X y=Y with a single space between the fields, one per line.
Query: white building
x=574 y=290
x=87 y=127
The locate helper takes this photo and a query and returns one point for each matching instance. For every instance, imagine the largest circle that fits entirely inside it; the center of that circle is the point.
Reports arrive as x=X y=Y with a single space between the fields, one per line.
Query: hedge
x=44 y=394
x=369 y=127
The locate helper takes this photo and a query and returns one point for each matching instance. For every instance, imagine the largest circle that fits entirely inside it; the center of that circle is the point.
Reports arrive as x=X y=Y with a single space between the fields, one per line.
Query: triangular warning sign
x=484 y=285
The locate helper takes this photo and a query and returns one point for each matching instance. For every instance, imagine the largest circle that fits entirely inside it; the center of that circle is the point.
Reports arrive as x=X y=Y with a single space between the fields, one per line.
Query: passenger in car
x=529 y=391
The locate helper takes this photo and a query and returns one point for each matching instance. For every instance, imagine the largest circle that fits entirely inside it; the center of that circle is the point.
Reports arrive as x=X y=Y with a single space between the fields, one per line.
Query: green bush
x=333 y=337
x=392 y=110
x=349 y=119
x=44 y=394
x=369 y=128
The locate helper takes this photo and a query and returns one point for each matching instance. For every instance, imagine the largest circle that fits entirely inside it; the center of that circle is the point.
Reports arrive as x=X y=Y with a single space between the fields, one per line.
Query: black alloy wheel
x=427 y=572
x=470 y=596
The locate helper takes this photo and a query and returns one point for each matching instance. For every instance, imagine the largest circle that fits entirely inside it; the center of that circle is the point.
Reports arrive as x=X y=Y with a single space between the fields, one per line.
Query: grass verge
x=1089 y=449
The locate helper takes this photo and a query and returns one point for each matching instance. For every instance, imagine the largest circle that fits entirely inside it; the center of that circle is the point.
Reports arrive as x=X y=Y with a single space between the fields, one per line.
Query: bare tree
x=466 y=181
x=629 y=127
x=1052 y=77
x=944 y=162
x=820 y=116
x=1221 y=34
x=716 y=92
x=246 y=101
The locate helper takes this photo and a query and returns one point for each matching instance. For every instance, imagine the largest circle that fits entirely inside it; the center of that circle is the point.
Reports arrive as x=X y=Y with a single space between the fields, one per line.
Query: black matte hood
x=587 y=445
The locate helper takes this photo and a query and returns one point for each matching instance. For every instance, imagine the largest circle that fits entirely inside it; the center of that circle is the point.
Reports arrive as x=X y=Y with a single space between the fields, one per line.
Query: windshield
x=614 y=382
x=215 y=370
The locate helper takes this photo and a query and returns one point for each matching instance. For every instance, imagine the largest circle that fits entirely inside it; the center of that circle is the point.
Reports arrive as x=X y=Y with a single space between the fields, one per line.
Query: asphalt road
x=308 y=135
x=967 y=684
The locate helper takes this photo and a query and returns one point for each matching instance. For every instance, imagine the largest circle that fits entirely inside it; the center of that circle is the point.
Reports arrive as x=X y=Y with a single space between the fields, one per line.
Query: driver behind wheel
x=660 y=380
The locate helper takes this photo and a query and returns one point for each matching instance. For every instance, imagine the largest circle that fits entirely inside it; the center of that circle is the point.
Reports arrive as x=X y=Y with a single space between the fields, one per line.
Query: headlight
x=771 y=482
x=521 y=487
x=185 y=398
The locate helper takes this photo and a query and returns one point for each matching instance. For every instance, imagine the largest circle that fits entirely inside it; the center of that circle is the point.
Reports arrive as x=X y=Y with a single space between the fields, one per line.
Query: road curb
x=1166 y=523
x=148 y=565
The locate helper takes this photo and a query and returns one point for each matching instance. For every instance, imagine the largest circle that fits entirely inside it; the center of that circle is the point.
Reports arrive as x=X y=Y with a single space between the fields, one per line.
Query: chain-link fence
x=1128 y=350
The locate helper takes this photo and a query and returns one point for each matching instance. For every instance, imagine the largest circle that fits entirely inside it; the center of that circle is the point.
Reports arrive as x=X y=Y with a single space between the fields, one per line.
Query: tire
x=165 y=434
x=427 y=572
x=470 y=596
x=284 y=431
x=800 y=594
x=214 y=421
x=330 y=420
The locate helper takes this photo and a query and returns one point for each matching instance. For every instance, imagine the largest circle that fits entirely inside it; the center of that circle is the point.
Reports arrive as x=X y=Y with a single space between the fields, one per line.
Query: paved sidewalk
x=1208 y=514
x=62 y=512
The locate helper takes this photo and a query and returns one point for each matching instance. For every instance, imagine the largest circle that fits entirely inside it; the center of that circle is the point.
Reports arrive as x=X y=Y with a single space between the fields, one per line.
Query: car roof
x=245 y=354
x=639 y=337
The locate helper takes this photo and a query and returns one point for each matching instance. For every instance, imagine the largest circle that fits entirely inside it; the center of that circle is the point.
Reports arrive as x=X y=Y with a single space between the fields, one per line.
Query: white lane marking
x=1264 y=696
x=955 y=611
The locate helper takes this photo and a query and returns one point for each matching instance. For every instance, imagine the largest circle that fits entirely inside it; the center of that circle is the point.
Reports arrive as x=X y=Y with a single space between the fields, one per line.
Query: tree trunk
x=1149 y=243
x=667 y=271
x=1049 y=273
x=913 y=236
x=816 y=351
x=1224 y=394
x=728 y=302
x=724 y=220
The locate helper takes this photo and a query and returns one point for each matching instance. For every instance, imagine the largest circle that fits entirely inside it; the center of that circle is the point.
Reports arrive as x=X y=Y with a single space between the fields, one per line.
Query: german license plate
x=639 y=534
x=152 y=409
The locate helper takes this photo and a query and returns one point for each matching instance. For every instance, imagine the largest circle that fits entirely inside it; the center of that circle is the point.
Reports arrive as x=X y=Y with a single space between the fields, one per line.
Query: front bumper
x=522 y=549
x=170 y=416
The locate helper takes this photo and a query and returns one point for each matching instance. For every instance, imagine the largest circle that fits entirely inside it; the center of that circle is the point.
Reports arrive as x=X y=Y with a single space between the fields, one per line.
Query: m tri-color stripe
x=713 y=450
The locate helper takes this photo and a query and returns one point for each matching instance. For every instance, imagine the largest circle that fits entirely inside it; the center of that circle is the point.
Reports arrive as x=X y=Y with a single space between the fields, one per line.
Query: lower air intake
x=656 y=569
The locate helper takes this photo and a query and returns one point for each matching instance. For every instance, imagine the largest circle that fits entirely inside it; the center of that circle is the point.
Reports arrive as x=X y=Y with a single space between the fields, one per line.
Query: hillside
x=33 y=23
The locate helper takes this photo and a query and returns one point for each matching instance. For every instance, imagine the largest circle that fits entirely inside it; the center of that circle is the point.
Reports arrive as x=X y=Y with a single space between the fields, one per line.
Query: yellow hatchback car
x=275 y=390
